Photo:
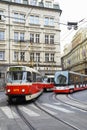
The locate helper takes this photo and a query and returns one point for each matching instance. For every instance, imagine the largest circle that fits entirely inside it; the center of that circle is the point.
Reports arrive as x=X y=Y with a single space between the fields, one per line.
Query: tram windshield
x=48 y=79
x=61 y=79
x=18 y=76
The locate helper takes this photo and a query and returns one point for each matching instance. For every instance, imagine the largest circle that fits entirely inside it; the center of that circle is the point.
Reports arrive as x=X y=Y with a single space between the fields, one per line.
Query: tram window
x=85 y=79
x=2 y=75
x=52 y=79
x=62 y=79
x=48 y=80
x=38 y=78
x=34 y=77
x=73 y=78
x=29 y=76
x=77 y=79
x=45 y=80
x=18 y=76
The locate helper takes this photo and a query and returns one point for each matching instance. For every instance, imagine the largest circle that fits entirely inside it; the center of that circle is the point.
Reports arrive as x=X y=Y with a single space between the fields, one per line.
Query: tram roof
x=22 y=68
x=72 y=72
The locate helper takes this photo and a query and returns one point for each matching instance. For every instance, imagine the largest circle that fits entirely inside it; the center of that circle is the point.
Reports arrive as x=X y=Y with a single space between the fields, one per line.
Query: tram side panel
x=68 y=82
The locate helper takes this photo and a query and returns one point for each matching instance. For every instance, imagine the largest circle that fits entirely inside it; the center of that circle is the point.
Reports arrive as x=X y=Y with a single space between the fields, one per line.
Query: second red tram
x=69 y=81
x=48 y=82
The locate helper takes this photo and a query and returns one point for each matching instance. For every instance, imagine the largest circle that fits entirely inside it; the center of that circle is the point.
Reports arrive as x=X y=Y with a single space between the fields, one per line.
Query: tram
x=23 y=83
x=69 y=82
x=48 y=82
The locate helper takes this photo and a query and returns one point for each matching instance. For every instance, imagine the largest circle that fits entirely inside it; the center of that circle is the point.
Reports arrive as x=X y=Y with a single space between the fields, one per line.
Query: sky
x=72 y=11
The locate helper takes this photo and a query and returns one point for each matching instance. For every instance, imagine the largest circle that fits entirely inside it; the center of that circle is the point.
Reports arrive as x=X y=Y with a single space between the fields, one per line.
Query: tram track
x=76 y=100
x=22 y=117
x=38 y=105
x=71 y=102
x=30 y=126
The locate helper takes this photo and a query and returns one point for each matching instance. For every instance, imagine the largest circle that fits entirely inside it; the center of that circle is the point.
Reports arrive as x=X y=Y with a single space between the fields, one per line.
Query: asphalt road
x=48 y=112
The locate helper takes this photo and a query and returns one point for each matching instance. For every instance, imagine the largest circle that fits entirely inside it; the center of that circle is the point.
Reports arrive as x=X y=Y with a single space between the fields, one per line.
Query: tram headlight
x=8 y=90
x=23 y=90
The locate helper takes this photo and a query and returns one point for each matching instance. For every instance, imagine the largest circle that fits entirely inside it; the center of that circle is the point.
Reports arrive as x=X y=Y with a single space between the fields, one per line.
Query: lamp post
x=73 y=25
x=9 y=29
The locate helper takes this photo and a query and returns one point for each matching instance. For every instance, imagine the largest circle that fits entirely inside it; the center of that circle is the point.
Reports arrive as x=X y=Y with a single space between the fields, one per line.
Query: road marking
x=32 y=105
x=28 y=111
x=53 y=113
x=58 y=108
x=77 y=109
x=9 y=113
x=57 y=103
x=72 y=107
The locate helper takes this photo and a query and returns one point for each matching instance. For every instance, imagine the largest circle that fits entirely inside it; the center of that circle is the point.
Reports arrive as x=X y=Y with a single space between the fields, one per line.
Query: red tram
x=23 y=83
x=69 y=81
x=48 y=82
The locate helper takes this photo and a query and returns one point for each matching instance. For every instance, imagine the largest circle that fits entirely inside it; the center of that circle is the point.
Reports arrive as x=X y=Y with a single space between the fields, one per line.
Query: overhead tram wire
x=66 y=35
x=69 y=33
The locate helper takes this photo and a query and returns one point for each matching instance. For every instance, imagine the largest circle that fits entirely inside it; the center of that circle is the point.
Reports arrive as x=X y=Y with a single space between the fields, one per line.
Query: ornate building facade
x=30 y=34
x=76 y=58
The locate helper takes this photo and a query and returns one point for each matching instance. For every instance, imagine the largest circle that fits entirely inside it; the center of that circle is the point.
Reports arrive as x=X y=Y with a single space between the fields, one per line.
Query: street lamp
x=73 y=25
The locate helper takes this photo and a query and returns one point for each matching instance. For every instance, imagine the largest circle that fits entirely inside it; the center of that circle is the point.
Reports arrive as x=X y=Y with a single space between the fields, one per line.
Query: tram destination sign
x=16 y=68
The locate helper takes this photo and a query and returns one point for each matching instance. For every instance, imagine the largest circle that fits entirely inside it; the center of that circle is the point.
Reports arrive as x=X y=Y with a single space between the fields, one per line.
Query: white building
x=30 y=34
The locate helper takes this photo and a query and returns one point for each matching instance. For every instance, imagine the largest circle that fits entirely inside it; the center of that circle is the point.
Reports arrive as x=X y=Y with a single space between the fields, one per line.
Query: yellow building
x=76 y=58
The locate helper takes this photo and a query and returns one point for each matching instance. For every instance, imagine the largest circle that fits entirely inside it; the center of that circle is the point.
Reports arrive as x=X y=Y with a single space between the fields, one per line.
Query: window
x=37 y=40
x=46 y=21
x=31 y=57
x=33 y=2
x=18 y=1
x=16 y=17
x=16 y=36
x=52 y=57
x=2 y=55
x=46 y=39
x=31 y=38
x=22 y=56
x=16 y=56
x=1 y=12
x=61 y=80
x=21 y=36
x=48 y=4
x=22 y=18
x=38 y=57
x=47 y=57
x=2 y=15
x=34 y=19
x=2 y=75
x=49 y=21
x=49 y=39
x=19 y=17
x=34 y=38
x=2 y=35
x=19 y=56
